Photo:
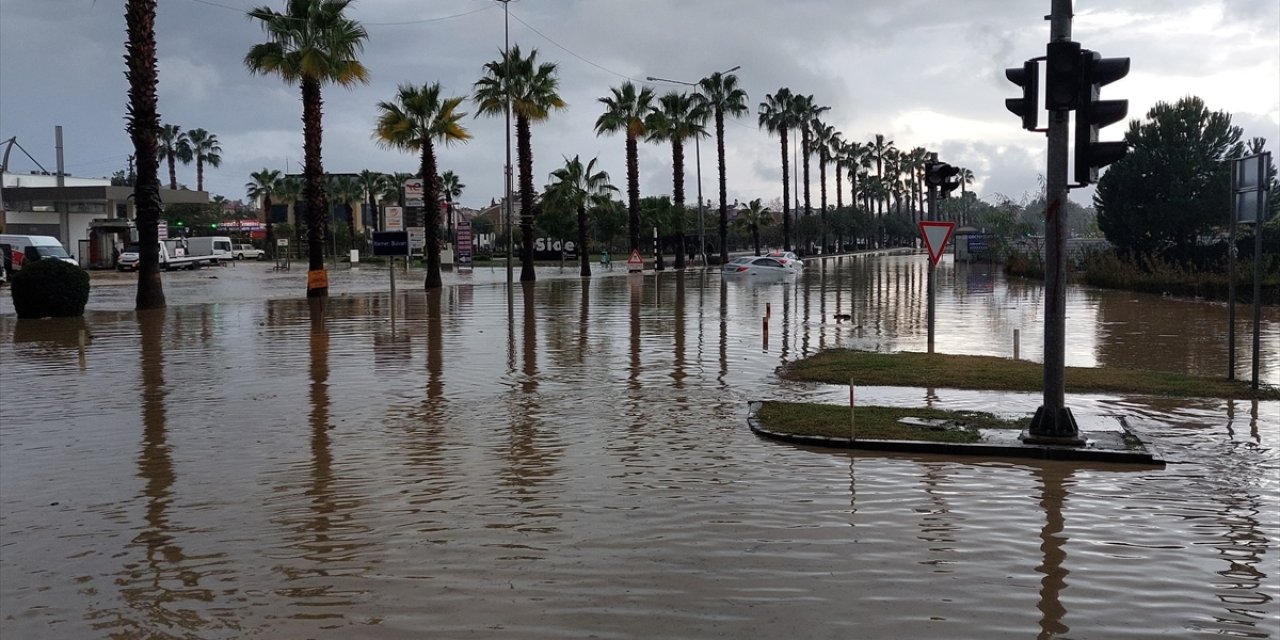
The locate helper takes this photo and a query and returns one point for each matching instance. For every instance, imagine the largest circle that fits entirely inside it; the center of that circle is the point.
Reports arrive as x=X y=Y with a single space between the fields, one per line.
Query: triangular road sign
x=634 y=261
x=936 y=235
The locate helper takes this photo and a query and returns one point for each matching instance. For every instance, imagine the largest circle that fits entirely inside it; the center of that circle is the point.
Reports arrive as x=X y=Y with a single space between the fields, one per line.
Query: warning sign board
x=634 y=261
x=936 y=235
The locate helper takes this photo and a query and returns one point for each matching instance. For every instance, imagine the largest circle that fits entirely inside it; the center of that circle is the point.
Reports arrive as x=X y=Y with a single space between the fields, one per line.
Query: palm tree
x=835 y=155
x=263 y=185
x=878 y=147
x=626 y=111
x=393 y=190
x=417 y=120
x=966 y=178
x=677 y=117
x=719 y=93
x=806 y=115
x=776 y=117
x=855 y=156
x=374 y=184
x=312 y=43
x=344 y=190
x=820 y=136
x=530 y=89
x=204 y=148
x=752 y=219
x=575 y=188
x=144 y=129
x=451 y=188
x=173 y=147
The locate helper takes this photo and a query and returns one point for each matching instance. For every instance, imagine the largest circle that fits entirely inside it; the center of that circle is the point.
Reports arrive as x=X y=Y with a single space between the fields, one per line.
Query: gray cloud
x=922 y=72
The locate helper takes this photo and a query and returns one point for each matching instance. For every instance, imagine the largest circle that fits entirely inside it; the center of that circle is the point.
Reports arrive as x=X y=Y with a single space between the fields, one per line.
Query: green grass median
x=915 y=369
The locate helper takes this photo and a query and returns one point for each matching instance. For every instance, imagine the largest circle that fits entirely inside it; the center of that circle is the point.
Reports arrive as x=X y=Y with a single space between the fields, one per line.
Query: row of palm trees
x=193 y=145
x=313 y=43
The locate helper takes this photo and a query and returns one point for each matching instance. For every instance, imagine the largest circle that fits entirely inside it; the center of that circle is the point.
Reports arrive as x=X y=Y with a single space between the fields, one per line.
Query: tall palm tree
x=835 y=155
x=626 y=111
x=418 y=119
x=719 y=93
x=806 y=114
x=575 y=187
x=820 y=137
x=677 y=117
x=393 y=190
x=206 y=150
x=262 y=186
x=531 y=88
x=312 y=43
x=878 y=147
x=144 y=130
x=173 y=147
x=855 y=154
x=754 y=217
x=345 y=190
x=374 y=184
x=776 y=117
x=966 y=178
x=916 y=159
x=451 y=188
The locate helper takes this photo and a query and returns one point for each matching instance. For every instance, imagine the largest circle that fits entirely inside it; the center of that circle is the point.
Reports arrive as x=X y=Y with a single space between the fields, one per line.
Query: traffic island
x=922 y=430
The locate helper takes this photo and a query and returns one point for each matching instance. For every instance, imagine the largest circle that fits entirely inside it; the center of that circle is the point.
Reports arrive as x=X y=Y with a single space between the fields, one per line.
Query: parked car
x=244 y=251
x=787 y=257
x=758 y=267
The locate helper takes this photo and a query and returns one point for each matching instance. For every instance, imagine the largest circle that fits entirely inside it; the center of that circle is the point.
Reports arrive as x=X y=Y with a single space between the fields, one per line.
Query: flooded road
x=570 y=459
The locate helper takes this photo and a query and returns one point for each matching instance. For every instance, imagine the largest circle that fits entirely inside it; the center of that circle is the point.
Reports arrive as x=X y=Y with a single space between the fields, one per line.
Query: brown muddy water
x=572 y=461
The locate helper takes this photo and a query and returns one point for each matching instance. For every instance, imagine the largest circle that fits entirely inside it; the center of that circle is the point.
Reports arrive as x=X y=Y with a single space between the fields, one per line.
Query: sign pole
x=933 y=203
x=1264 y=165
x=1231 y=284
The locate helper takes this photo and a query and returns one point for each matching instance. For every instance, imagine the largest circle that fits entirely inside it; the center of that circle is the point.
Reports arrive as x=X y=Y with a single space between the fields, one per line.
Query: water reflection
x=1053 y=481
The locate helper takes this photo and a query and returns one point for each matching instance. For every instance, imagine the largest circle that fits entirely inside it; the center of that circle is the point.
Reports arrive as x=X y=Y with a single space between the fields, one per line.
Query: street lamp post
x=506 y=178
x=697 y=155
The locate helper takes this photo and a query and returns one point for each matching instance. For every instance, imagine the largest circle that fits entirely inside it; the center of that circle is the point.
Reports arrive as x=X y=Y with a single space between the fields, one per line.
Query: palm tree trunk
x=584 y=239
x=786 y=195
x=525 y=152
x=633 y=192
x=144 y=125
x=755 y=237
x=822 y=191
x=431 y=214
x=804 y=152
x=173 y=172
x=313 y=188
x=724 y=206
x=199 y=173
x=677 y=182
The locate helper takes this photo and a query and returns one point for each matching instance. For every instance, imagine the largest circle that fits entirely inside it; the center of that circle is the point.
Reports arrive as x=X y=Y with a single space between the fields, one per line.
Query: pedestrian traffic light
x=1092 y=114
x=1062 y=76
x=1028 y=106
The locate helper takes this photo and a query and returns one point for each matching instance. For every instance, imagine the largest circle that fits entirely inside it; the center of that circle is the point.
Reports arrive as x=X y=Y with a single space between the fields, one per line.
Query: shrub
x=50 y=288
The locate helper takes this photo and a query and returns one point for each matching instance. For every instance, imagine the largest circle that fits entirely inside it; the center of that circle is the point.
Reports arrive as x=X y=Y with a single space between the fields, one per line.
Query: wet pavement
x=571 y=459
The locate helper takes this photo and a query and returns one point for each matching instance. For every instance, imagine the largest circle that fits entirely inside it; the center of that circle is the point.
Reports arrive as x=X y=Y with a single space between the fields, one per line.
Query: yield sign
x=936 y=235
x=634 y=261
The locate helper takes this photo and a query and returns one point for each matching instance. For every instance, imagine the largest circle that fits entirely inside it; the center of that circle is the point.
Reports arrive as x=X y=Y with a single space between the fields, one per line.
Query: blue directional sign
x=390 y=243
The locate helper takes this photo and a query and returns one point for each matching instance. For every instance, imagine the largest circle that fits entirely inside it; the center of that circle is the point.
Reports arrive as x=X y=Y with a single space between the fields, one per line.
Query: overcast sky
x=922 y=72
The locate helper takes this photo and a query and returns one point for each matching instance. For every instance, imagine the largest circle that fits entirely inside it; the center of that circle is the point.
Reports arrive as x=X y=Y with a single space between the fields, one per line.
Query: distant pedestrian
x=604 y=259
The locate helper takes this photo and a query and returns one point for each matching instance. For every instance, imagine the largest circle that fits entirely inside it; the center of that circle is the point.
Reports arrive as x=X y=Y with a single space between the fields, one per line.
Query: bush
x=50 y=288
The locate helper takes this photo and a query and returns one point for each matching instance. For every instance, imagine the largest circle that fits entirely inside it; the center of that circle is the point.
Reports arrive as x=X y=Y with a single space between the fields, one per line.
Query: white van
x=18 y=250
x=219 y=247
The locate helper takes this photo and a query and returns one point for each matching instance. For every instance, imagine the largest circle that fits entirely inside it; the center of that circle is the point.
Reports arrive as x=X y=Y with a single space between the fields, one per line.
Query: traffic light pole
x=933 y=215
x=1053 y=422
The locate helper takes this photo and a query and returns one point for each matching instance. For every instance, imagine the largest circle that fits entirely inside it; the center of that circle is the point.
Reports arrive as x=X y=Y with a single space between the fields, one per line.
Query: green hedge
x=50 y=288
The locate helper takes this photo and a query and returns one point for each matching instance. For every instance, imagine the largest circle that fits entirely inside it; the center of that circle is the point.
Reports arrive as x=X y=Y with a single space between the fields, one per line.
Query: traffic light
x=1092 y=114
x=1062 y=76
x=937 y=174
x=1028 y=106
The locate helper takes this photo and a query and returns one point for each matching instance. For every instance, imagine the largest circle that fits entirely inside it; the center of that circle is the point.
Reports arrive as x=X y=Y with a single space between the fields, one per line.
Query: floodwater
x=570 y=459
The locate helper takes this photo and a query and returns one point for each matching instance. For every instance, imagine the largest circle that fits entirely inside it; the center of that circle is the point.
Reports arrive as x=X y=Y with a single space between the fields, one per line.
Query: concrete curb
x=1011 y=449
